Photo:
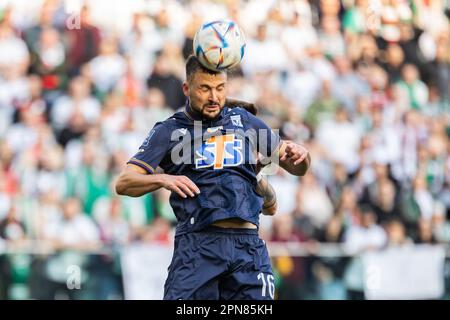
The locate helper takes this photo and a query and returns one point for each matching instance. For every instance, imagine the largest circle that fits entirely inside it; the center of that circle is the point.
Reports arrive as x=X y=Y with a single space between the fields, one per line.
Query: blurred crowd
x=364 y=84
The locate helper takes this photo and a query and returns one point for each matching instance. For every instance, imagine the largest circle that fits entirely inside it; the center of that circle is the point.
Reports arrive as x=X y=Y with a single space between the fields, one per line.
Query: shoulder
x=171 y=122
x=239 y=111
x=250 y=120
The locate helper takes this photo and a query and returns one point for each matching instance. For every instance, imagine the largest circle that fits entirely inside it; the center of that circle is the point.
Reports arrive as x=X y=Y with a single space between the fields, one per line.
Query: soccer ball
x=219 y=45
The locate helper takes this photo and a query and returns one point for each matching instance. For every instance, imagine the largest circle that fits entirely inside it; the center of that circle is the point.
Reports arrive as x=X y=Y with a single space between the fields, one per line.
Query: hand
x=294 y=152
x=180 y=184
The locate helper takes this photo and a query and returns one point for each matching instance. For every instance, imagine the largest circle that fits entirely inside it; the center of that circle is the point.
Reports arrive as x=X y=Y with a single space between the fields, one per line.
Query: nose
x=213 y=96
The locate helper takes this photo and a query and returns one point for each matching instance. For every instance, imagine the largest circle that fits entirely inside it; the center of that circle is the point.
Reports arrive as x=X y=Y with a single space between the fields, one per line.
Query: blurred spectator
x=313 y=201
x=164 y=79
x=140 y=44
x=153 y=109
x=290 y=268
x=367 y=235
x=79 y=103
x=305 y=35
x=441 y=227
x=113 y=227
x=393 y=61
x=323 y=108
x=83 y=41
x=12 y=228
x=348 y=86
x=396 y=233
x=360 y=237
x=275 y=58
x=330 y=36
x=425 y=232
x=413 y=88
x=423 y=198
x=107 y=67
x=354 y=20
x=73 y=230
x=14 y=57
x=340 y=138
x=45 y=21
x=48 y=60
x=384 y=199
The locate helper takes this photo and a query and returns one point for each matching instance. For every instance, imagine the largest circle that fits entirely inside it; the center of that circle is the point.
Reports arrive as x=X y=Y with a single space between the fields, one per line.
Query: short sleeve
x=268 y=140
x=153 y=149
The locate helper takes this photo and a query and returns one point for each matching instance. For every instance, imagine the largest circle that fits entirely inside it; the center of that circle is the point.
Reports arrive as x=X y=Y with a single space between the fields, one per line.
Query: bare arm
x=294 y=158
x=265 y=190
x=135 y=182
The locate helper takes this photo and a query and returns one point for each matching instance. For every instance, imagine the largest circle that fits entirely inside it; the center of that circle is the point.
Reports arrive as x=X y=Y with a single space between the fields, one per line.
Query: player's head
x=206 y=89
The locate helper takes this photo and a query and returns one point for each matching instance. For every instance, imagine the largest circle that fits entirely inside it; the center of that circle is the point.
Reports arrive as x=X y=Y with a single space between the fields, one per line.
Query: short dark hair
x=193 y=65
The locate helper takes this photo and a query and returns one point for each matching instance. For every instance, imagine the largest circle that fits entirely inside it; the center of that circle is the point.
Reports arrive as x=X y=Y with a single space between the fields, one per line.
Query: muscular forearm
x=268 y=193
x=134 y=184
x=296 y=170
x=290 y=157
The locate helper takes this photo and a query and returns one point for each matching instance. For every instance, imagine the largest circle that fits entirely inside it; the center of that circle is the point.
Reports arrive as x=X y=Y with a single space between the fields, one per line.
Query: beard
x=211 y=110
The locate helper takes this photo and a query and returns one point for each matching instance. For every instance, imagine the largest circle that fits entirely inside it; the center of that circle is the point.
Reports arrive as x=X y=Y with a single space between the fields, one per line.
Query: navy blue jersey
x=218 y=155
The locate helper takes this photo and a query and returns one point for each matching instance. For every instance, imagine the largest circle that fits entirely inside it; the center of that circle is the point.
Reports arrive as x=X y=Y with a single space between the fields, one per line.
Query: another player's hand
x=180 y=184
x=294 y=152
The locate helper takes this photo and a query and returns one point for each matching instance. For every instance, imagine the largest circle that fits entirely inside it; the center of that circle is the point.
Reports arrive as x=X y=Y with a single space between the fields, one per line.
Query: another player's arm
x=265 y=190
x=135 y=181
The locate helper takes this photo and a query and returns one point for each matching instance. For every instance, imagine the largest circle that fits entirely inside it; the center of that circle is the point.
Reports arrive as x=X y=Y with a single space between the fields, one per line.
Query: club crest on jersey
x=236 y=120
x=219 y=152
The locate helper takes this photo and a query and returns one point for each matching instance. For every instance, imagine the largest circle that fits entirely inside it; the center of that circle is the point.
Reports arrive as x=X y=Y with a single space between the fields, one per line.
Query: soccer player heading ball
x=209 y=155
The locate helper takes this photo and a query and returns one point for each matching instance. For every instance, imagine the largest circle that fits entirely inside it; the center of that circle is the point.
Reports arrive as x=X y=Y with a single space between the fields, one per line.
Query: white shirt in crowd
x=65 y=106
x=341 y=142
x=358 y=238
x=264 y=57
x=14 y=51
x=107 y=70
x=78 y=230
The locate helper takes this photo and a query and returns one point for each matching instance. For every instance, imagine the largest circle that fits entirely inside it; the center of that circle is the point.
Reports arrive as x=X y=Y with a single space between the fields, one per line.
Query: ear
x=186 y=88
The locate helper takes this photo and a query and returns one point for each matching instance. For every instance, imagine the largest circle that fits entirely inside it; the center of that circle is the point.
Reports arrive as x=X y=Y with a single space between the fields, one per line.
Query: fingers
x=287 y=151
x=295 y=153
x=295 y=157
x=178 y=190
x=185 y=187
x=191 y=185
x=301 y=159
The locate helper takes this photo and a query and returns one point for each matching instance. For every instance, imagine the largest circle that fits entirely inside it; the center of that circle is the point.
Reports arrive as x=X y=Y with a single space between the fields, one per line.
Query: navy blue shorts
x=218 y=263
